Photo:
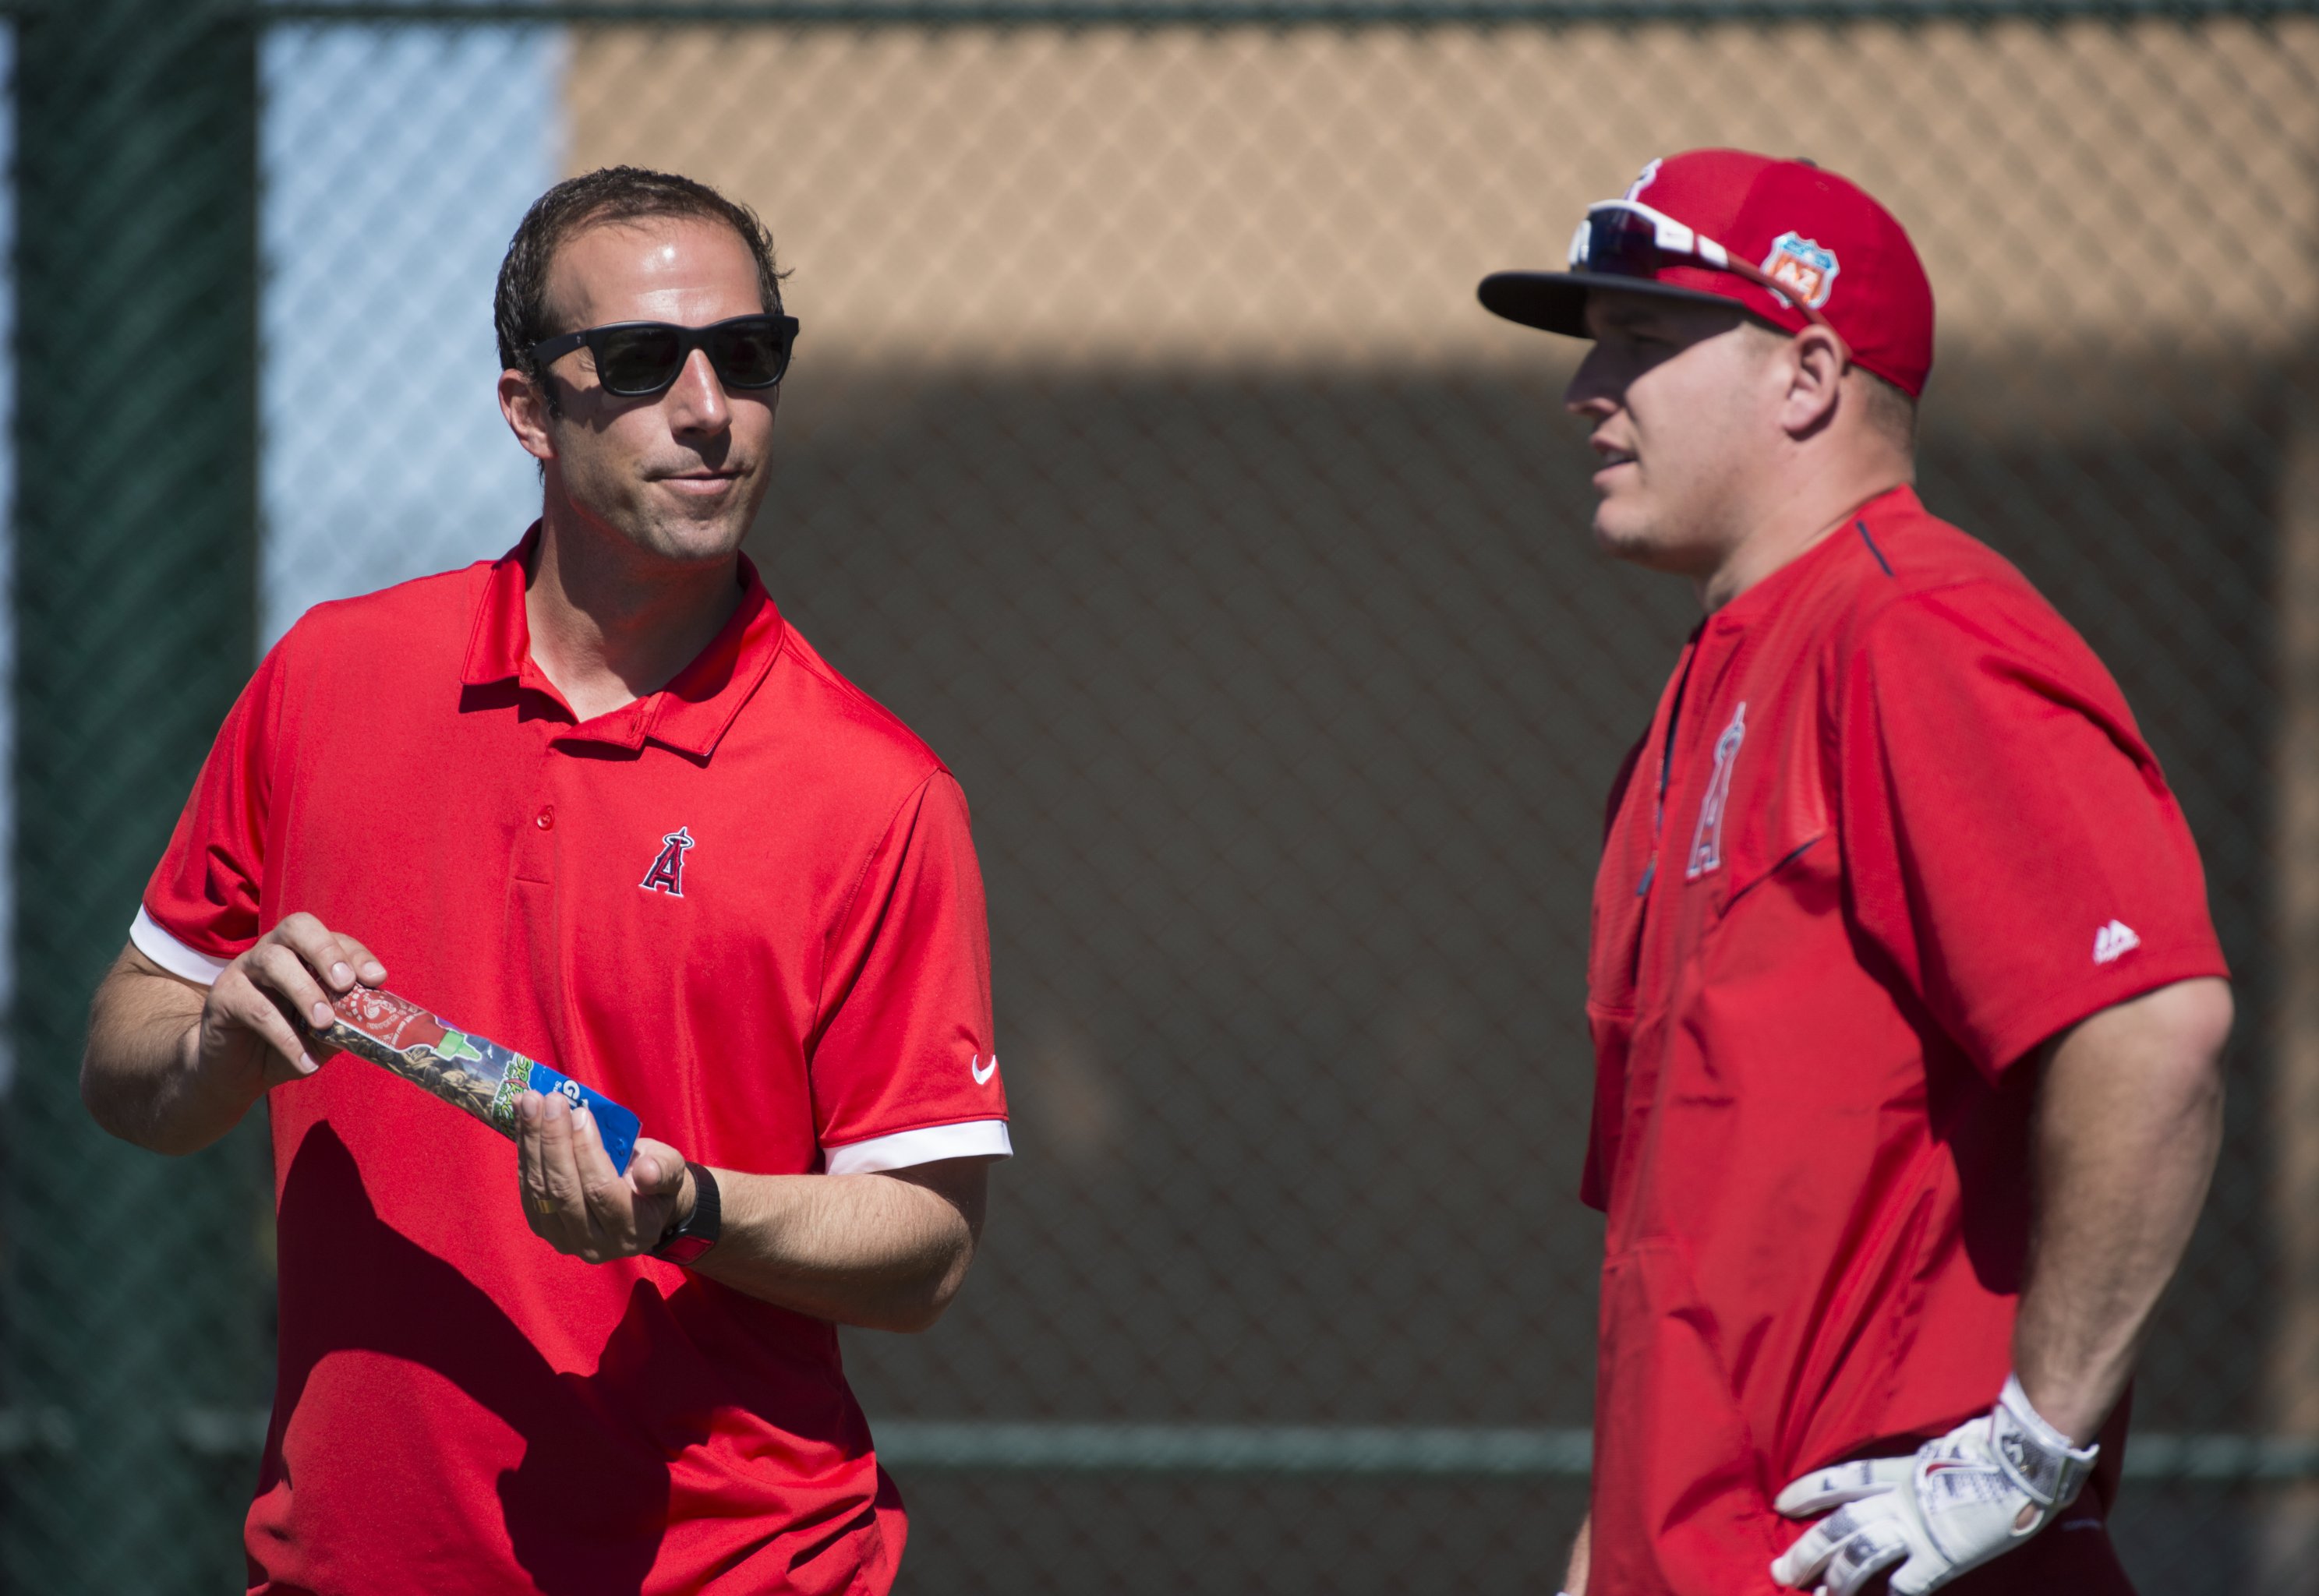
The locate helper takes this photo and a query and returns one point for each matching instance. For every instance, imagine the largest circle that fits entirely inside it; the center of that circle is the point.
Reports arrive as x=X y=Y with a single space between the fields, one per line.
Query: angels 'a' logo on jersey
x=1707 y=842
x=667 y=872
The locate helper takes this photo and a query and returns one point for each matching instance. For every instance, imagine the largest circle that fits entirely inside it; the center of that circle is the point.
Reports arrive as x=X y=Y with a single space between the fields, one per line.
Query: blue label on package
x=512 y=1075
x=617 y=1126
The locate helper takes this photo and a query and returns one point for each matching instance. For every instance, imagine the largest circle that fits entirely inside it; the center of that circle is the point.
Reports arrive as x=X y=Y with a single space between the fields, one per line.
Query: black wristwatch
x=684 y=1243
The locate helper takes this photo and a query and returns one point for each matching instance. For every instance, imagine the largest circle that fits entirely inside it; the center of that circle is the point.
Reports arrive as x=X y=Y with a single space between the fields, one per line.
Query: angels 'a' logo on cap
x=1800 y=265
x=1648 y=175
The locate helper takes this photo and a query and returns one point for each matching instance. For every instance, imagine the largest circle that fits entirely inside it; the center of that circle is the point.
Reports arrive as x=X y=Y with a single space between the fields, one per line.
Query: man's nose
x=696 y=400
x=1591 y=392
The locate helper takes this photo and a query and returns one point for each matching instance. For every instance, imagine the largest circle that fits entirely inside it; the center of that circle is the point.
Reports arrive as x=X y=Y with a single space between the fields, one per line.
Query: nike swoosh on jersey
x=980 y=1071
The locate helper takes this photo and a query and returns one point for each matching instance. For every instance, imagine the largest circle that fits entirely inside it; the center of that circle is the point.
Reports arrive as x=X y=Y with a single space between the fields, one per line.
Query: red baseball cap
x=1696 y=226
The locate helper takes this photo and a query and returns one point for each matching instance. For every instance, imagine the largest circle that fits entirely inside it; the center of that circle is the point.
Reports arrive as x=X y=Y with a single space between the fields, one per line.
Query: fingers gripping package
x=470 y=1073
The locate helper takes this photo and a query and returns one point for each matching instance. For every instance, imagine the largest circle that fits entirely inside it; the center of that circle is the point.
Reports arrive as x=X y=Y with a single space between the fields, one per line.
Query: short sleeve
x=202 y=907
x=2011 y=844
x=903 y=1065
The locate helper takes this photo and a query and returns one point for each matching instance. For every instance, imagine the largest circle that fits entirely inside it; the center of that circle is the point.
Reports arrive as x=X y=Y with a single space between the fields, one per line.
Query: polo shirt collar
x=690 y=714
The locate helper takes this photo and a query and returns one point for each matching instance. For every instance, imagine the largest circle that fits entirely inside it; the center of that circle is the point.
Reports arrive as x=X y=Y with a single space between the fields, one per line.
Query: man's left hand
x=1979 y=1490
x=573 y=1197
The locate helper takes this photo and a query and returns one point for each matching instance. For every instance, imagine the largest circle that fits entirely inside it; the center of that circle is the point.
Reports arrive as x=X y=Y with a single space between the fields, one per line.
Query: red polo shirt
x=747 y=907
x=1892 y=828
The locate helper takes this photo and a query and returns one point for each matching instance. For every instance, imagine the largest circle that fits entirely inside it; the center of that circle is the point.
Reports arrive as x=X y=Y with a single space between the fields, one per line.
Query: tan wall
x=1316 y=196
x=2121 y=224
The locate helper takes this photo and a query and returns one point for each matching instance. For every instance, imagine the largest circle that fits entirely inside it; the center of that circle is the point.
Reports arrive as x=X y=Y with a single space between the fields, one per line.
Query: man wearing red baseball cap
x=1907 y=1009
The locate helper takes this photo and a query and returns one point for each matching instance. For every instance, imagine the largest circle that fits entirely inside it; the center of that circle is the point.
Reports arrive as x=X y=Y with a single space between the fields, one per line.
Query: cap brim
x=1555 y=301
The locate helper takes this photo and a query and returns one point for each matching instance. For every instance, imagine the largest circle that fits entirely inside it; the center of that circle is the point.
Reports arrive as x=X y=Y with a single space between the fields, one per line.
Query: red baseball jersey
x=747 y=907
x=1892 y=828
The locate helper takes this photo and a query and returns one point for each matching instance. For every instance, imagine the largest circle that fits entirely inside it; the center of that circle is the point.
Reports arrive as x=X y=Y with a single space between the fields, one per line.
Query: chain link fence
x=1146 y=451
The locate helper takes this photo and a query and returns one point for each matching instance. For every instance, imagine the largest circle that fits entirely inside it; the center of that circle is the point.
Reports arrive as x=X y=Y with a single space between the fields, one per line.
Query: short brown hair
x=607 y=194
x=1888 y=406
x=1889 y=409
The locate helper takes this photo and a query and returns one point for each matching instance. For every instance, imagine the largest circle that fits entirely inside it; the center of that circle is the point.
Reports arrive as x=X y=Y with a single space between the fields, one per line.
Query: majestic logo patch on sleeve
x=2114 y=941
x=1803 y=268
x=1707 y=842
x=667 y=872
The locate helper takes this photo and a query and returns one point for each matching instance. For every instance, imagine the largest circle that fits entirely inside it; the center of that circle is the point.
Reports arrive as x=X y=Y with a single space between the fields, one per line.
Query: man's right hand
x=173 y=1065
x=250 y=1031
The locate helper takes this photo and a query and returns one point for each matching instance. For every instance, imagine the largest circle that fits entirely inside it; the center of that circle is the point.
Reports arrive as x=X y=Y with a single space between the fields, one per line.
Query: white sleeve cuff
x=975 y=1139
x=191 y=963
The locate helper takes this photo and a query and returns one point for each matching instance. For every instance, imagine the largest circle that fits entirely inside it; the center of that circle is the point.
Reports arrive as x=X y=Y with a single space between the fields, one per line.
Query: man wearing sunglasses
x=597 y=800
x=1907 y=1009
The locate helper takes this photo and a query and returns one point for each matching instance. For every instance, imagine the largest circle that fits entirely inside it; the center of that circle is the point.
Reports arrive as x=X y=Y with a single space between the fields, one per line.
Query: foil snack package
x=472 y=1073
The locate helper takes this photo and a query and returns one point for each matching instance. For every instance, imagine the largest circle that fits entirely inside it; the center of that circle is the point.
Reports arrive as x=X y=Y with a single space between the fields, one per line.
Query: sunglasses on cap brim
x=636 y=359
x=1622 y=239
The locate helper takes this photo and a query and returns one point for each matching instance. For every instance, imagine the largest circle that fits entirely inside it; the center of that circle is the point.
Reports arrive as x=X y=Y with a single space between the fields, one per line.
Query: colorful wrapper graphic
x=472 y=1073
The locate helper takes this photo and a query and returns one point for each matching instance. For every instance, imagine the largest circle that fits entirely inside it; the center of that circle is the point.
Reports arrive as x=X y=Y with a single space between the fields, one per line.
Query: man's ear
x=526 y=405
x=1815 y=364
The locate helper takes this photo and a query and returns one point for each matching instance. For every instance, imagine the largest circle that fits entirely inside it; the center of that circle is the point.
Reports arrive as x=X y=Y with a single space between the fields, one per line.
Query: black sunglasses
x=634 y=359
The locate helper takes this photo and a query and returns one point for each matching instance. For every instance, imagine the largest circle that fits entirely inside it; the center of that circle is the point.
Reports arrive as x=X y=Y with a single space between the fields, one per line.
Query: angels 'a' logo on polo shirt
x=667 y=872
x=1707 y=842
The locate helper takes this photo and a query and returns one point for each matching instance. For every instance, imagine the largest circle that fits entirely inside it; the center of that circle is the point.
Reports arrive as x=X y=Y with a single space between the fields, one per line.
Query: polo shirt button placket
x=535 y=845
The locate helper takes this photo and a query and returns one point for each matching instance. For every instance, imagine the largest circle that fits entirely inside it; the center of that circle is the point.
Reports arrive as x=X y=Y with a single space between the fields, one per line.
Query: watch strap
x=684 y=1243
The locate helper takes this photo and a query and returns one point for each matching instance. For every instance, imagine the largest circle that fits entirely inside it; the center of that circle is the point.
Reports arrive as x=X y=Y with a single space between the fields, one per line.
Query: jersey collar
x=690 y=715
x=1839 y=544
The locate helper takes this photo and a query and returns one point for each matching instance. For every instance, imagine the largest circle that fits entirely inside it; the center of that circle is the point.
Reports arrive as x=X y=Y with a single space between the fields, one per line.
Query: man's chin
x=687 y=542
x=1652 y=547
x=696 y=533
x=1620 y=537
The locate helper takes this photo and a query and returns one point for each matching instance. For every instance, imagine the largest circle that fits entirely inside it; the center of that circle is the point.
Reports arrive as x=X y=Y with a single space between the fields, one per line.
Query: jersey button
x=546 y=818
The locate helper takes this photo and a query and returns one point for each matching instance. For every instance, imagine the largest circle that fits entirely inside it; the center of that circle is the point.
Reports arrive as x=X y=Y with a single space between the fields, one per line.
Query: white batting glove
x=1981 y=1490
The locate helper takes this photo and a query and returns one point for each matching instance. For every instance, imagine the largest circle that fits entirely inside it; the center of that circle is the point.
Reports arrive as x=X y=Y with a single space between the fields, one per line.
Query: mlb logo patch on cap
x=1803 y=268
